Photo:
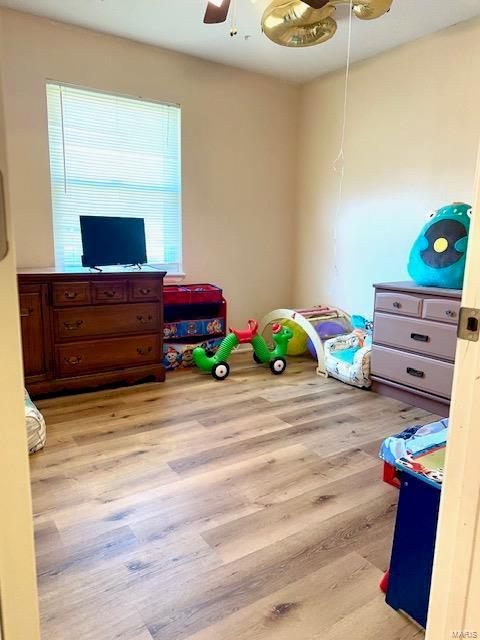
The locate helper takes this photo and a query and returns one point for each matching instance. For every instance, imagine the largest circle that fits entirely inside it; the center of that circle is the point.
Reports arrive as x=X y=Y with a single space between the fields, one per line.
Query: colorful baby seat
x=347 y=358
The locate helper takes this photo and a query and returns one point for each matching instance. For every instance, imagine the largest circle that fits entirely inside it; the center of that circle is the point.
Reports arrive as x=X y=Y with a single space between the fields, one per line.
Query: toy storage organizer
x=194 y=315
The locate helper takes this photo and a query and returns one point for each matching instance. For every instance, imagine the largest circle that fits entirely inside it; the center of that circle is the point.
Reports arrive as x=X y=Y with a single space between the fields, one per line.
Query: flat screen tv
x=110 y=240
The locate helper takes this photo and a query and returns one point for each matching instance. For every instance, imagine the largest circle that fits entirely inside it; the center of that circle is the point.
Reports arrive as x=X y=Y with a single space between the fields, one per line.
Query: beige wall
x=254 y=147
x=18 y=593
x=239 y=133
x=411 y=142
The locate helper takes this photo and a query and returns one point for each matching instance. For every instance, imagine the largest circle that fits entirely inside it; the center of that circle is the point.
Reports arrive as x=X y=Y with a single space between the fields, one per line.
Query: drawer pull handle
x=415 y=372
x=144 y=319
x=142 y=351
x=110 y=294
x=450 y=313
x=397 y=305
x=73 y=360
x=24 y=313
x=71 y=295
x=73 y=326
x=420 y=337
x=145 y=292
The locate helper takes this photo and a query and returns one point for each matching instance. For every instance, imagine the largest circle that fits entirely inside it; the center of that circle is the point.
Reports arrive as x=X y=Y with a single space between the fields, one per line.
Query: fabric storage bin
x=178 y=355
x=213 y=326
x=170 y=330
x=183 y=329
x=189 y=328
x=192 y=294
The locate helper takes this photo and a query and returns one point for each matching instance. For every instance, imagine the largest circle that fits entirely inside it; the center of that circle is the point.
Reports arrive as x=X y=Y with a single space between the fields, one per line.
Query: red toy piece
x=390 y=475
x=246 y=335
x=384 y=581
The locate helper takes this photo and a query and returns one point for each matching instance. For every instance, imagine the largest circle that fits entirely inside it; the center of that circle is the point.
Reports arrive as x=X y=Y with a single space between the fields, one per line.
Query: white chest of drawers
x=414 y=341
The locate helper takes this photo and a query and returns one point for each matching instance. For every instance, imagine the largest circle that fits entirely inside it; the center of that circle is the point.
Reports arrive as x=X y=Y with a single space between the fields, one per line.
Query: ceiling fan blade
x=215 y=14
x=316 y=4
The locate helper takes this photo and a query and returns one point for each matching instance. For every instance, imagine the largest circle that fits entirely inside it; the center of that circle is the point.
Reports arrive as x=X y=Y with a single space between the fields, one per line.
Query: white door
x=454 y=610
x=18 y=591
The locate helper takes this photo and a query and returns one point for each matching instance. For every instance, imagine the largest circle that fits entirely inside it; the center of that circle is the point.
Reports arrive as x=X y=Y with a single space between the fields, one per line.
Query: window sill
x=173 y=278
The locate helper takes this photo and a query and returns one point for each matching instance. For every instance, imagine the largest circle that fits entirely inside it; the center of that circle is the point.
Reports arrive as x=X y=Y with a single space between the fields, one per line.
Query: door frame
x=19 y=618
x=455 y=593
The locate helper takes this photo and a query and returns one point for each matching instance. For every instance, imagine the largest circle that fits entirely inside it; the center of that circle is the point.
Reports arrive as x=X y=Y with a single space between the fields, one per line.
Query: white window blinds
x=114 y=156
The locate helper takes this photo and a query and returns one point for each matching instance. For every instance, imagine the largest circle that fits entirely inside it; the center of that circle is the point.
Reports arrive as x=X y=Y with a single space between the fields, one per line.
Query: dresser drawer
x=441 y=309
x=113 y=353
x=32 y=318
x=421 y=336
x=106 y=320
x=67 y=294
x=109 y=291
x=398 y=303
x=145 y=289
x=419 y=372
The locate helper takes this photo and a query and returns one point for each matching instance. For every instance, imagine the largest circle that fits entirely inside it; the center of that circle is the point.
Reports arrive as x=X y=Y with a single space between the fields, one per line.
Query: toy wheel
x=256 y=358
x=220 y=371
x=278 y=366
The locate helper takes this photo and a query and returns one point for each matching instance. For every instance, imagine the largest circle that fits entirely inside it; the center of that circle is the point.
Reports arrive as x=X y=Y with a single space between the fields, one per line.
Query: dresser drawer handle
x=73 y=360
x=397 y=305
x=420 y=337
x=73 y=326
x=415 y=372
x=25 y=313
x=145 y=292
x=450 y=313
x=71 y=295
x=144 y=319
x=110 y=294
x=142 y=351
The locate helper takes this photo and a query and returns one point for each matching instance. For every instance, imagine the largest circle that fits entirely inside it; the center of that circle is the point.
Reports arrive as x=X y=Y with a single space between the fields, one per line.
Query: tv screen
x=109 y=241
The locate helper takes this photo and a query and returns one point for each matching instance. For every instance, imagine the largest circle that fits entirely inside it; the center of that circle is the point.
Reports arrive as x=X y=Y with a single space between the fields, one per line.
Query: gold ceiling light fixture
x=298 y=23
x=295 y=23
x=217 y=10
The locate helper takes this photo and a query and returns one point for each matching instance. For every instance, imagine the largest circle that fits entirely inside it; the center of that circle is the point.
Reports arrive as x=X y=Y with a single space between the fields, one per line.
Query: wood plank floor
x=250 y=509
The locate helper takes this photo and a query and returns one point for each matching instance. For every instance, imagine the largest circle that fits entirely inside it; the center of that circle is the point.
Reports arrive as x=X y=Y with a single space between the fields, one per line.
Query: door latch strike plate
x=469 y=324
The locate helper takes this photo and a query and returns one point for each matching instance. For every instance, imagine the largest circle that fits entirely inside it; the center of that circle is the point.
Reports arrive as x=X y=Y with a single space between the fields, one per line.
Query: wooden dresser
x=414 y=342
x=83 y=330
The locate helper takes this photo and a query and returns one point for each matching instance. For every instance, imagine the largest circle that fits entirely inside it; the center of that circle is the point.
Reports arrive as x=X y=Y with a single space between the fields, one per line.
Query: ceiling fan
x=217 y=10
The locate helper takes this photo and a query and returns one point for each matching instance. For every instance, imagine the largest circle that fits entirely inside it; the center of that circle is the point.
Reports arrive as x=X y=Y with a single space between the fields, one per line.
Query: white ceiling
x=177 y=24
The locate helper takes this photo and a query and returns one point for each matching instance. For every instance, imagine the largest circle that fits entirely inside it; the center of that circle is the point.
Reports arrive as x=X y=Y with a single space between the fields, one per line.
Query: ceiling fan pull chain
x=233 y=27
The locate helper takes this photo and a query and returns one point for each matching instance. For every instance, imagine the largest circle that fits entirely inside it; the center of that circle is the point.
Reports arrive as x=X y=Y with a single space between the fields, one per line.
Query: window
x=114 y=156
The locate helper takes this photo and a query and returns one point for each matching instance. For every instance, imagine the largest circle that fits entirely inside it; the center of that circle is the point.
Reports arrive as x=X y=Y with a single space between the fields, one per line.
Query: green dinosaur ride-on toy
x=217 y=364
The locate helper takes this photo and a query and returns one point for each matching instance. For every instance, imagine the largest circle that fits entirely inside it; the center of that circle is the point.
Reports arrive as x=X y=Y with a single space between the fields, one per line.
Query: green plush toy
x=437 y=258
